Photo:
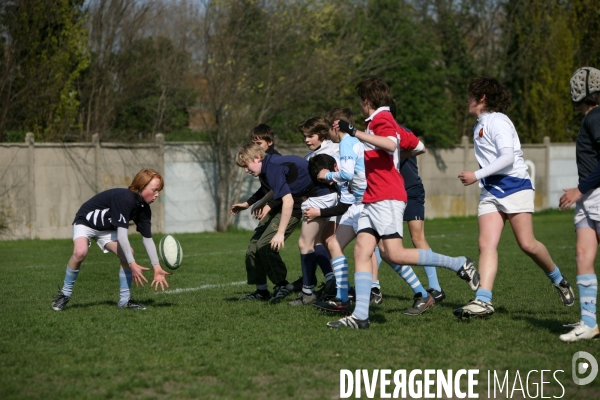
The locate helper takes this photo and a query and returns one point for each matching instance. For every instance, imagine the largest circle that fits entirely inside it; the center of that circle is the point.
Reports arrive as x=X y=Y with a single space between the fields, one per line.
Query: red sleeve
x=382 y=125
x=408 y=140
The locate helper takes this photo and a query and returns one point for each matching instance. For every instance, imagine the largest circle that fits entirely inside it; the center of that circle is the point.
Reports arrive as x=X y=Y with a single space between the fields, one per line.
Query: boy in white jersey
x=312 y=252
x=506 y=194
x=384 y=202
x=585 y=94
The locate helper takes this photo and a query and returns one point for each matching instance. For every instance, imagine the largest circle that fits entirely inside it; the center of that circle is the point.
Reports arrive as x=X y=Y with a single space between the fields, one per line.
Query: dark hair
x=592 y=99
x=497 y=96
x=343 y=113
x=376 y=91
x=315 y=126
x=318 y=163
x=262 y=132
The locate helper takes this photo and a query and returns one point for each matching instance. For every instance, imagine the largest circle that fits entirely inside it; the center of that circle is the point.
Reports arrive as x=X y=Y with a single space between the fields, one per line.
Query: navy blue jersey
x=287 y=175
x=114 y=208
x=412 y=180
x=588 y=150
x=410 y=173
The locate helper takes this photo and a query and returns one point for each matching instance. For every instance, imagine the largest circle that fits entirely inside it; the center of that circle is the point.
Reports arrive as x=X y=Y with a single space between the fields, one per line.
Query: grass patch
x=196 y=341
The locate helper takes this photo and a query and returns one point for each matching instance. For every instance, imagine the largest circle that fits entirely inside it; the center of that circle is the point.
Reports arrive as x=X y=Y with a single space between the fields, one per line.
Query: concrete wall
x=43 y=184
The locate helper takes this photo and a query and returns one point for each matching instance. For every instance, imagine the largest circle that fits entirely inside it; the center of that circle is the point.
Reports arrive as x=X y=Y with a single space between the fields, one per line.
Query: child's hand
x=137 y=274
x=345 y=127
x=160 y=278
x=263 y=212
x=236 y=208
x=322 y=174
x=571 y=196
x=467 y=178
x=312 y=213
x=277 y=241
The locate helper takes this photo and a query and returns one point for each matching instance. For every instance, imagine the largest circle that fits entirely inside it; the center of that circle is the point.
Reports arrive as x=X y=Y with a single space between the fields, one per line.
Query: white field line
x=212 y=253
x=203 y=287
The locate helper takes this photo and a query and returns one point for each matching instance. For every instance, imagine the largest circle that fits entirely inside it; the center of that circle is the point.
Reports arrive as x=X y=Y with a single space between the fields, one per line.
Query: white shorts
x=385 y=217
x=587 y=211
x=351 y=216
x=520 y=202
x=329 y=200
x=101 y=237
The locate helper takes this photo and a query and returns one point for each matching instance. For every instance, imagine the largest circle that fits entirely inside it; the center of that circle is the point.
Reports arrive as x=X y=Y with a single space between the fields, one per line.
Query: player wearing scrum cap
x=585 y=93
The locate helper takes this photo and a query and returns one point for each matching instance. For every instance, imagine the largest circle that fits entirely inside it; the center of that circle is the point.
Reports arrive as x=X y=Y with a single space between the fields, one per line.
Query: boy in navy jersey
x=288 y=178
x=105 y=218
x=261 y=260
x=585 y=94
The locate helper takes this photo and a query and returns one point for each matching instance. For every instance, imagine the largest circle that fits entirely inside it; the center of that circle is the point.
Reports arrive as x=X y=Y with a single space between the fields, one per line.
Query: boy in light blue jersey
x=351 y=173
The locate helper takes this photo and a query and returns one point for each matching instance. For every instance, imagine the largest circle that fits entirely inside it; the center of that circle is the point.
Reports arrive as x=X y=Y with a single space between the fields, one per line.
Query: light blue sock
x=375 y=285
x=588 y=295
x=428 y=257
x=362 y=282
x=125 y=284
x=483 y=295
x=555 y=276
x=340 y=269
x=263 y=286
x=432 y=278
x=407 y=273
x=70 y=277
x=378 y=256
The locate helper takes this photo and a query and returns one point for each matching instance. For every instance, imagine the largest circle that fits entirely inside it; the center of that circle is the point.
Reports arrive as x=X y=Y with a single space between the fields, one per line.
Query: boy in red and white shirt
x=381 y=220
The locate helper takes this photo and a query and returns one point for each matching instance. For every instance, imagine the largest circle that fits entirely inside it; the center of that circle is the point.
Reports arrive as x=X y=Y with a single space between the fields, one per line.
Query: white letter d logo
x=580 y=368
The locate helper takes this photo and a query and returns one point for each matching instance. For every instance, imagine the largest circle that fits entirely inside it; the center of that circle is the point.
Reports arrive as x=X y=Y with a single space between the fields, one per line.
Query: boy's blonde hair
x=143 y=178
x=315 y=126
x=343 y=113
x=247 y=153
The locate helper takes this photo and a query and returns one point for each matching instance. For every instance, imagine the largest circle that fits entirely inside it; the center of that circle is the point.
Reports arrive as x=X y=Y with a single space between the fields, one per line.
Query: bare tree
x=256 y=59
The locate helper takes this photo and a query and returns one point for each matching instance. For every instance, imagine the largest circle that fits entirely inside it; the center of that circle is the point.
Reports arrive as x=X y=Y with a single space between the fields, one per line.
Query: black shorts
x=415 y=208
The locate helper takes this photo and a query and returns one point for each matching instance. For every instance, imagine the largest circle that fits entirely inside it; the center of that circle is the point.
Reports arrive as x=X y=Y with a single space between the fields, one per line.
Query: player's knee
x=305 y=246
x=529 y=247
x=79 y=254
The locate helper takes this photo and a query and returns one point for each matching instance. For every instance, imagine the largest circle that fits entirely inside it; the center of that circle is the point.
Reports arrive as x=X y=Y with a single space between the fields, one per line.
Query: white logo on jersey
x=95 y=215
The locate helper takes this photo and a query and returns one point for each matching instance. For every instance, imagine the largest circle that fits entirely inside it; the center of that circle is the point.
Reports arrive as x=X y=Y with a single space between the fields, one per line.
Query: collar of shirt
x=139 y=199
x=483 y=116
x=380 y=109
x=265 y=161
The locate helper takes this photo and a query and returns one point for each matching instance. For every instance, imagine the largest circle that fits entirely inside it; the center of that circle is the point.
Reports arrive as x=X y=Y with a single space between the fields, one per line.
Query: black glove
x=346 y=127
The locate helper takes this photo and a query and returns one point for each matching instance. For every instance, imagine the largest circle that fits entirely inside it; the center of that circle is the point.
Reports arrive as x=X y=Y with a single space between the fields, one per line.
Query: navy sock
x=323 y=259
x=309 y=269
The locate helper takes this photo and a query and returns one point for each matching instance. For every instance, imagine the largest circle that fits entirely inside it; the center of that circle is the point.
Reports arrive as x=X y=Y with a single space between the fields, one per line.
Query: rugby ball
x=170 y=251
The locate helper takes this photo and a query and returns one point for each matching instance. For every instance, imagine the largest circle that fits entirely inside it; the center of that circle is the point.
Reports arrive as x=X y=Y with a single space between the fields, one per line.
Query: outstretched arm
x=136 y=269
x=159 y=273
x=387 y=143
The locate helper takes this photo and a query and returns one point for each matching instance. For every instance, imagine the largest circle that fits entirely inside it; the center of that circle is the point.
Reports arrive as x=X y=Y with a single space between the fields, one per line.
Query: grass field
x=196 y=341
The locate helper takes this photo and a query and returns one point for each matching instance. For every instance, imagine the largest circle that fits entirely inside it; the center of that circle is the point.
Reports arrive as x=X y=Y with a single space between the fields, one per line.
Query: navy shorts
x=415 y=208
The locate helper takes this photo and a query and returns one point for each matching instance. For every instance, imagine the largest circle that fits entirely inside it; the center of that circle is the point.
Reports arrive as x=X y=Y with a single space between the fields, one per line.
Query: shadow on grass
x=146 y=303
x=551 y=325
